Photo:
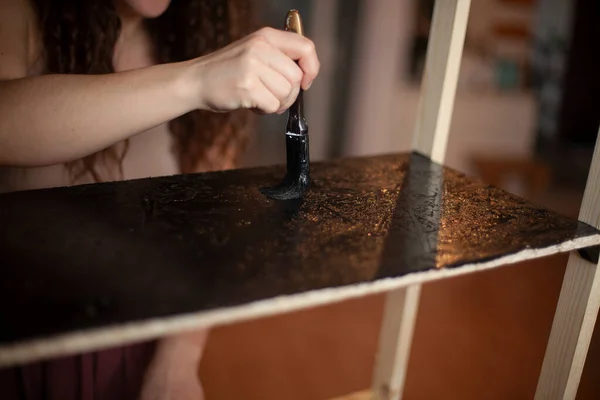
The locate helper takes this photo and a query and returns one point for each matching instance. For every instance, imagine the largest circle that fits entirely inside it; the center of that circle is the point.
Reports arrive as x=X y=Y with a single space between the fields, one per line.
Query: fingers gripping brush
x=297 y=178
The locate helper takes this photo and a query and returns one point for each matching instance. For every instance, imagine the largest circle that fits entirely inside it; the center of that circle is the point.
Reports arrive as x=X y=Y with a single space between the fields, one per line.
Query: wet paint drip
x=297 y=179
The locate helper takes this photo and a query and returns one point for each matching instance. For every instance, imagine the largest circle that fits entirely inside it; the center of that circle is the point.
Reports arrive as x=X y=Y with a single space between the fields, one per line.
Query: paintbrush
x=297 y=178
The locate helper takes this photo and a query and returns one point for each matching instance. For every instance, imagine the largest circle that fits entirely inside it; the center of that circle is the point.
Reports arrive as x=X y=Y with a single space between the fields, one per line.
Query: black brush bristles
x=297 y=178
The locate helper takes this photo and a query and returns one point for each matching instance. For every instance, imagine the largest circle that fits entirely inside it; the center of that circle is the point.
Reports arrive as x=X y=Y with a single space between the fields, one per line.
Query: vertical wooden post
x=577 y=308
x=440 y=79
x=395 y=339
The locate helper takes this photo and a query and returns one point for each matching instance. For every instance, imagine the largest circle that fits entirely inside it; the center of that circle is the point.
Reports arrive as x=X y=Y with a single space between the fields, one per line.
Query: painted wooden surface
x=577 y=308
x=100 y=265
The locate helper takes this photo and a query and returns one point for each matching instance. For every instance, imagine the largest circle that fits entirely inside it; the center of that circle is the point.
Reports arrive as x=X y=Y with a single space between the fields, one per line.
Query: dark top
x=114 y=374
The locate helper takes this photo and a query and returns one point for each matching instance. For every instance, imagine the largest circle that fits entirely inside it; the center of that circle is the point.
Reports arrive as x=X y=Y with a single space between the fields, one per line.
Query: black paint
x=297 y=178
x=96 y=255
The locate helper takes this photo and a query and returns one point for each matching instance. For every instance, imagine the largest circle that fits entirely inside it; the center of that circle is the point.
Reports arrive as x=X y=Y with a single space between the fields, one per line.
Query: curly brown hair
x=79 y=36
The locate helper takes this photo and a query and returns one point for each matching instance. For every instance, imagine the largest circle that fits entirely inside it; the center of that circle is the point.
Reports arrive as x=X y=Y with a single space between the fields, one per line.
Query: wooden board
x=94 y=266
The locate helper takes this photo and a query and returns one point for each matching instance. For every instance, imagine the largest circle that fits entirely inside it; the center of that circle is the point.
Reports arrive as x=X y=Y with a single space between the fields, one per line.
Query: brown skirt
x=112 y=374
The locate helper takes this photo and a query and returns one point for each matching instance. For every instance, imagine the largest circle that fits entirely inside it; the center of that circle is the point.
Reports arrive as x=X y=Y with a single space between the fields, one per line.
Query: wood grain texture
x=577 y=308
x=95 y=266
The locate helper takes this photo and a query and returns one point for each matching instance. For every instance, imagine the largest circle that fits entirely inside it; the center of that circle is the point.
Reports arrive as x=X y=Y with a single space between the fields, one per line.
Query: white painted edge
x=122 y=334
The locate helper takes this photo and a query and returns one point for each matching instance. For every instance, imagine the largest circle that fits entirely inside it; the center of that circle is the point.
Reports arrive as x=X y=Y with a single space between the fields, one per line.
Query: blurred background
x=526 y=117
x=527 y=98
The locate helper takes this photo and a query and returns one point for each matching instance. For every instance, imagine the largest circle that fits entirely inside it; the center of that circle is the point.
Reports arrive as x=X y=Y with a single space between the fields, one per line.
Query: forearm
x=173 y=373
x=52 y=119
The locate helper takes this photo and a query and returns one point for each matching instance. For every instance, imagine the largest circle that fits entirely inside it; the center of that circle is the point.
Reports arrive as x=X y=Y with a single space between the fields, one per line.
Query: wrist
x=187 y=86
x=186 y=350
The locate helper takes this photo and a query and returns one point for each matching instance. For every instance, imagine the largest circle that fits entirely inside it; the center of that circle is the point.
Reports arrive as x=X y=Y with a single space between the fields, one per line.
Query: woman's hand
x=258 y=72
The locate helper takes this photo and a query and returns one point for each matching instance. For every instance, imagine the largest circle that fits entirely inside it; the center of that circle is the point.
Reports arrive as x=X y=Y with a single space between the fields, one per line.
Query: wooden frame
x=440 y=79
x=579 y=300
x=577 y=307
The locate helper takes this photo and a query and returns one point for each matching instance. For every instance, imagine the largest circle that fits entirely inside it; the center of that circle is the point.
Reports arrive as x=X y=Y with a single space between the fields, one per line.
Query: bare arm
x=52 y=119
x=173 y=372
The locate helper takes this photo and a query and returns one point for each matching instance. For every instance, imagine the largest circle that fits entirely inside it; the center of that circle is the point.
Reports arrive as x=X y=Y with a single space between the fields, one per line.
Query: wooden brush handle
x=293 y=22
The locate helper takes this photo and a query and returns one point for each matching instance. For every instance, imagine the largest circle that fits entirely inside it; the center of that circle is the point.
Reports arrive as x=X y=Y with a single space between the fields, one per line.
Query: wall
x=384 y=110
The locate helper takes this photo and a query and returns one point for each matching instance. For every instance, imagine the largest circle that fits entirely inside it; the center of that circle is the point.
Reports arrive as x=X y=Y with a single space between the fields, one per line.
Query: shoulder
x=17 y=37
